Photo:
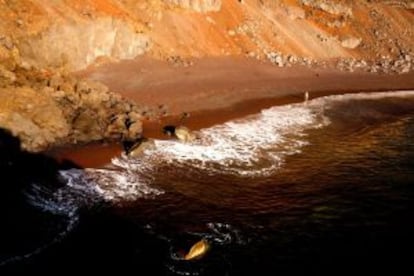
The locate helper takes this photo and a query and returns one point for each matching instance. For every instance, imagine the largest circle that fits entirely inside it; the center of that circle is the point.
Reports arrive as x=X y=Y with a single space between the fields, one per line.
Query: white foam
x=223 y=233
x=364 y=95
x=251 y=146
x=115 y=185
x=83 y=189
x=88 y=186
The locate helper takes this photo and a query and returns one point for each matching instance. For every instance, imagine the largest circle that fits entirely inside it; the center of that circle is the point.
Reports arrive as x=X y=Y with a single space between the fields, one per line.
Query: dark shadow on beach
x=19 y=170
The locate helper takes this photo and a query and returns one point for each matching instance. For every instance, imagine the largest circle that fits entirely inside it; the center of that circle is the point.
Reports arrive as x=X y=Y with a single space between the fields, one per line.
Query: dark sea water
x=318 y=188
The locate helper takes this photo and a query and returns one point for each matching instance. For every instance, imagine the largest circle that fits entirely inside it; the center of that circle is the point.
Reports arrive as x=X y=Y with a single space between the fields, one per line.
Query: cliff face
x=75 y=33
x=45 y=109
x=310 y=29
x=77 y=45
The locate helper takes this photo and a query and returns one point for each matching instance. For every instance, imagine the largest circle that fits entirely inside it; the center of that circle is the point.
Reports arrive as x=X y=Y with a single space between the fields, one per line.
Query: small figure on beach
x=180 y=132
x=135 y=148
x=306 y=97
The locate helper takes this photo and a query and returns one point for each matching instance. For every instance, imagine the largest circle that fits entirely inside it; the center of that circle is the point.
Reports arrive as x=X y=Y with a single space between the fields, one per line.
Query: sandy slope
x=220 y=82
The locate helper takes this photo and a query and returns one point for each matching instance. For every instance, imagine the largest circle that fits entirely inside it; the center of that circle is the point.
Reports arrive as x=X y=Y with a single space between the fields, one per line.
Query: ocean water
x=318 y=188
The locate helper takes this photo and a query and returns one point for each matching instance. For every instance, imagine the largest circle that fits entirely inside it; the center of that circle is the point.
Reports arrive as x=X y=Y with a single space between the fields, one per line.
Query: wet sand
x=214 y=90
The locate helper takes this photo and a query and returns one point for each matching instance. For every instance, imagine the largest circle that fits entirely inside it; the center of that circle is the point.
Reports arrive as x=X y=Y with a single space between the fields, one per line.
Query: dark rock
x=169 y=130
x=20 y=168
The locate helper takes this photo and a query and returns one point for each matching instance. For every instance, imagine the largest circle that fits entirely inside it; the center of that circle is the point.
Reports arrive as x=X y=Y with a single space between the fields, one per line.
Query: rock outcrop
x=45 y=110
x=77 y=45
x=34 y=117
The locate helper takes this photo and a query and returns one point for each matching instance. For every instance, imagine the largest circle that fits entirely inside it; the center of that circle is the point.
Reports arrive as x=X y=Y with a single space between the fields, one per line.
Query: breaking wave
x=253 y=146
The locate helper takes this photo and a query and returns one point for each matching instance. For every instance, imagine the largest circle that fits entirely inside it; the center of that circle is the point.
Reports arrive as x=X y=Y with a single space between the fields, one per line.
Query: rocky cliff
x=76 y=45
x=48 y=109
x=77 y=33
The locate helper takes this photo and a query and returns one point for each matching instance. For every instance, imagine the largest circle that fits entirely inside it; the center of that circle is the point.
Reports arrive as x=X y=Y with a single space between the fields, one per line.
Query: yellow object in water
x=197 y=250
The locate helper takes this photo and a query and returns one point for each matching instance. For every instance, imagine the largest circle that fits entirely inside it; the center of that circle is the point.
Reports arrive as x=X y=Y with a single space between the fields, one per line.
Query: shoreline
x=215 y=90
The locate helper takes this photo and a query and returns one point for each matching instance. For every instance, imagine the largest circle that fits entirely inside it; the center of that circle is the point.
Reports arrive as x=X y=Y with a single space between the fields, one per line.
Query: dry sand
x=213 y=83
x=214 y=90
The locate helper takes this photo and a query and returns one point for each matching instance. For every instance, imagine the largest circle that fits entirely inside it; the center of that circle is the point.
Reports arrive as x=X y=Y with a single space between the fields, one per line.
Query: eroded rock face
x=197 y=5
x=45 y=110
x=77 y=45
x=34 y=117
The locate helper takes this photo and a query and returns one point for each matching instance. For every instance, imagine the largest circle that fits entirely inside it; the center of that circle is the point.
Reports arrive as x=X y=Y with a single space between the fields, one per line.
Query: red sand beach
x=214 y=90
